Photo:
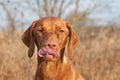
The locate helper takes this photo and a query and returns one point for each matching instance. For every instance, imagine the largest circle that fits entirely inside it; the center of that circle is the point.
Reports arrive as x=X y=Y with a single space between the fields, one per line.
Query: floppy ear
x=73 y=41
x=28 y=39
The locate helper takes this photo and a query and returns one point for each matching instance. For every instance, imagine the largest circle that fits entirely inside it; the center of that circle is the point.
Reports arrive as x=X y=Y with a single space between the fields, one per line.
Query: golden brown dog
x=51 y=34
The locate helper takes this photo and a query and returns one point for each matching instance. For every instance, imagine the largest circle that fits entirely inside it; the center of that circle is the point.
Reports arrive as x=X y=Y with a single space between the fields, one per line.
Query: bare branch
x=75 y=16
x=10 y=18
x=46 y=7
x=53 y=7
x=61 y=7
x=76 y=9
x=67 y=5
x=64 y=7
x=39 y=11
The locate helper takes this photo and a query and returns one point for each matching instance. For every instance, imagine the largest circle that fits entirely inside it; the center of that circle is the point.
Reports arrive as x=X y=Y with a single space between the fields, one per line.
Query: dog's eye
x=41 y=30
x=61 y=31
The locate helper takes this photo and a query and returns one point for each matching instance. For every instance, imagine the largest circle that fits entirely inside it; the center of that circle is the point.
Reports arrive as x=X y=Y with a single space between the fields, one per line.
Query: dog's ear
x=28 y=39
x=73 y=41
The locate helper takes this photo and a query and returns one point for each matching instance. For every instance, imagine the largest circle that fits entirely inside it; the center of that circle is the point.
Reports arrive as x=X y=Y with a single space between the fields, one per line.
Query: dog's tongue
x=42 y=52
x=47 y=51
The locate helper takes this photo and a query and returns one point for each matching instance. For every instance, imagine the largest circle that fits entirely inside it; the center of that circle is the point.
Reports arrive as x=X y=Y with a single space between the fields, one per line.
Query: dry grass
x=97 y=56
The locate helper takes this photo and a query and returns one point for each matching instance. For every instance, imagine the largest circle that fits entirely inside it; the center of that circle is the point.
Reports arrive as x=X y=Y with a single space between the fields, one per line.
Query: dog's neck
x=48 y=69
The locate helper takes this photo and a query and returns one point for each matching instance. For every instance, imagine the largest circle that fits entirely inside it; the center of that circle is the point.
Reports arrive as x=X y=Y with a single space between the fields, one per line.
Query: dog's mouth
x=48 y=53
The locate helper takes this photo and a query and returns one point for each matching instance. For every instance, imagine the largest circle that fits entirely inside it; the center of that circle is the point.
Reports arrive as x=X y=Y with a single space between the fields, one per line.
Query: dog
x=51 y=35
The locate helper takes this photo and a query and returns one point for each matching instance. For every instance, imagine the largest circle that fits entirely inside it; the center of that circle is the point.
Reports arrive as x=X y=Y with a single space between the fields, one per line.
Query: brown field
x=97 y=57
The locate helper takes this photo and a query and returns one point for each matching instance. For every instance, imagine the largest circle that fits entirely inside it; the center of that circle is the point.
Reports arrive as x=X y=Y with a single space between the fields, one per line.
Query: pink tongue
x=47 y=51
x=42 y=52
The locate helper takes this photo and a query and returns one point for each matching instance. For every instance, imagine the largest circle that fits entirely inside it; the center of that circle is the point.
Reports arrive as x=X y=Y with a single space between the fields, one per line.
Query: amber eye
x=61 y=31
x=41 y=30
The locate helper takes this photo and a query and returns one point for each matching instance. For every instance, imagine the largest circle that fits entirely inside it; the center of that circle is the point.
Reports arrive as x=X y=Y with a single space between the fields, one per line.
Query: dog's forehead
x=51 y=21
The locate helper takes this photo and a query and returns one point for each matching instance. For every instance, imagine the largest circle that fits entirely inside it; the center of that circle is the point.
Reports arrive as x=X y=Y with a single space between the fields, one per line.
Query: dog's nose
x=52 y=45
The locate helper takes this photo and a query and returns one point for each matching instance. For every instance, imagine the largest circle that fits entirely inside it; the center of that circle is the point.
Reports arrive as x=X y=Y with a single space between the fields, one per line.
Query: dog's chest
x=48 y=70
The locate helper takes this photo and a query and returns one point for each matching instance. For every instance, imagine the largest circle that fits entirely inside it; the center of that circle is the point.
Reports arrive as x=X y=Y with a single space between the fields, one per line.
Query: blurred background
x=96 y=21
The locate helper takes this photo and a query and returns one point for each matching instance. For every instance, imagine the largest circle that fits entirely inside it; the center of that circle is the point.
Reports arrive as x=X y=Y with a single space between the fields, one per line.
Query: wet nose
x=52 y=45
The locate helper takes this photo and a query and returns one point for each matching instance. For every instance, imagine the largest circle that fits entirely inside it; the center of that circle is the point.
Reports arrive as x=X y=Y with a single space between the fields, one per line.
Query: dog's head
x=50 y=34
